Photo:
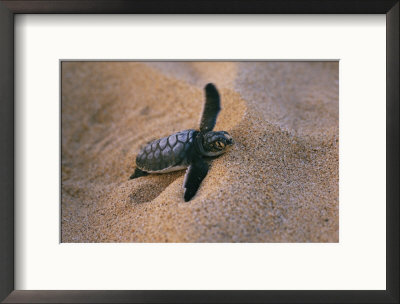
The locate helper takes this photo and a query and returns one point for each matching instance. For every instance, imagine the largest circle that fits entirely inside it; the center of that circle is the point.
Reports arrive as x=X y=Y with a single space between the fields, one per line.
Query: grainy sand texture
x=278 y=183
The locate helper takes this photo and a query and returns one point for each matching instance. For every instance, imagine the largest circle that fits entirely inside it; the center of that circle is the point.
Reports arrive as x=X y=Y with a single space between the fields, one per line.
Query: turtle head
x=216 y=143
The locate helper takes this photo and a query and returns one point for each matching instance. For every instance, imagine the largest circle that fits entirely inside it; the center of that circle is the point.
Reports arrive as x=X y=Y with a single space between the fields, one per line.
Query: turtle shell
x=172 y=151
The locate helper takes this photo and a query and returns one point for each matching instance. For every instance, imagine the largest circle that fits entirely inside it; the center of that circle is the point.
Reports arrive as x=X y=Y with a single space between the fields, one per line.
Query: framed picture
x=244 y=156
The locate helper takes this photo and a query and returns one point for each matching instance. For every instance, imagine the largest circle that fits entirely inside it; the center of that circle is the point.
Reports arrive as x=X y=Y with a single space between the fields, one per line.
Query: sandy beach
x=278 y=183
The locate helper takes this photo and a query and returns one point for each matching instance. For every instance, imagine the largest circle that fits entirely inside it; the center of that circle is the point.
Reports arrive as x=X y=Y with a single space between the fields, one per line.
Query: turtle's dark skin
x=187 y=149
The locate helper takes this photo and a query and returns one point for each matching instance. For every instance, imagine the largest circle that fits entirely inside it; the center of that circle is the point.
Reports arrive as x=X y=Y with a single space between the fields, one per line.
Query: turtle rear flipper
x=138 y=173
x=196 y=172
x=211 y=109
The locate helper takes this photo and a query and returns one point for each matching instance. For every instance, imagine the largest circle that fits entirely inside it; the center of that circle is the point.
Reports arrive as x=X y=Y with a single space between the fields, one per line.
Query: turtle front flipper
x=138 y=173
x=211 y=108
x=195 y=174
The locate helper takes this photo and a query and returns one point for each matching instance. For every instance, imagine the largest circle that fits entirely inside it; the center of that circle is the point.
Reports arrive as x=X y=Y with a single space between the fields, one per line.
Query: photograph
x=199 y=151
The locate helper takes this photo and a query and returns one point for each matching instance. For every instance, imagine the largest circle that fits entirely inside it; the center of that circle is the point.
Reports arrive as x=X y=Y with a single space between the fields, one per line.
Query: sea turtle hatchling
x=187 y=149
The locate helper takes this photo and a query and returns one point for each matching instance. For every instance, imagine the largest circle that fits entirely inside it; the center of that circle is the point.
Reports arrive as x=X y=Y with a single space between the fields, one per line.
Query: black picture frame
x=11 y=7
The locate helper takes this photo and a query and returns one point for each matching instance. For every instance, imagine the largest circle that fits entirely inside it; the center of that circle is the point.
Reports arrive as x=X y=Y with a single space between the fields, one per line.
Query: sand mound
x=279 y=183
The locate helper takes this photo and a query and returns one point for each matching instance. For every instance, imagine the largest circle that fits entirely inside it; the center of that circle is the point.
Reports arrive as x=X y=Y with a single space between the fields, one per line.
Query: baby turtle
x=187 y=149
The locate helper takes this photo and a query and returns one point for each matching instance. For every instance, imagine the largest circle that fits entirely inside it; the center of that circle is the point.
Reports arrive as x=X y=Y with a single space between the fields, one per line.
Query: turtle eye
x=220 y=144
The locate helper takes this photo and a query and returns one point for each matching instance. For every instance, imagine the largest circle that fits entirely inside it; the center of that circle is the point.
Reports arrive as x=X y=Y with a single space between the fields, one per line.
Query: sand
x=279 y=183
